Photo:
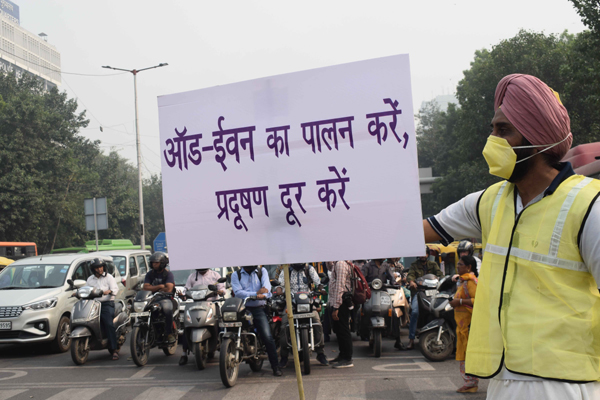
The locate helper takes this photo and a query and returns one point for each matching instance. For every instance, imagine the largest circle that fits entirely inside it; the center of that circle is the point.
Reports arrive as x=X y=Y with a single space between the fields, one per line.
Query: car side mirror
x=79 y=283
x=212 y=288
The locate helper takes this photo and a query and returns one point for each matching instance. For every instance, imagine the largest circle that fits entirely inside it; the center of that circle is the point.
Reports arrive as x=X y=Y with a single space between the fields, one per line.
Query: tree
x=589 y=11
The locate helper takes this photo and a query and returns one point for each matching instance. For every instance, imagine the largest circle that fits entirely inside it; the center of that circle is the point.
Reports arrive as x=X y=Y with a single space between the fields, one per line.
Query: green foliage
x=451 y=142
x=47 y=170
x=589 y=10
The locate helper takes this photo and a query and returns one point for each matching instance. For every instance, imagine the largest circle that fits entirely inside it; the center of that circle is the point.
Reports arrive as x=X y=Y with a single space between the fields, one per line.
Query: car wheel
x=62 y=341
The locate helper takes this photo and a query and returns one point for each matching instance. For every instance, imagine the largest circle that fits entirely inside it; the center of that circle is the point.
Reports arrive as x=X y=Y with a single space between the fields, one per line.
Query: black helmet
x=465 y=245
x=161 y=258
x=97 y=263
x=298 y=266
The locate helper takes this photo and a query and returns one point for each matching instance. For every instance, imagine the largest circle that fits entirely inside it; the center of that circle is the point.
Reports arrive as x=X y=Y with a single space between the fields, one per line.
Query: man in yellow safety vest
x=536 y=321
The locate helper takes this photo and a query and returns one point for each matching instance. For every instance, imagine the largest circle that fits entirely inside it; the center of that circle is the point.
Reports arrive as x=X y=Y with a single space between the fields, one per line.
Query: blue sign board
x=160 y=243
x=10 y=10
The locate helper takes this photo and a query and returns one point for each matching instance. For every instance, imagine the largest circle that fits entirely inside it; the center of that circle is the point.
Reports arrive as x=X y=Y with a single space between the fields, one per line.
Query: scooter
x=200 y=323
x=86 y=333
x=400 y=307
x=436 y=325
x=374 y=312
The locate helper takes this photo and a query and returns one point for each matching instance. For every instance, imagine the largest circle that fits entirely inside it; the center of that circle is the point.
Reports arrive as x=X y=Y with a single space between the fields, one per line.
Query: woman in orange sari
x=463 y=310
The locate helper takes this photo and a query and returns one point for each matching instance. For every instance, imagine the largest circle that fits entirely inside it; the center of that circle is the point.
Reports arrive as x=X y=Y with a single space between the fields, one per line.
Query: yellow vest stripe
x=562 y=216
x=497 y=199
x=536 y=257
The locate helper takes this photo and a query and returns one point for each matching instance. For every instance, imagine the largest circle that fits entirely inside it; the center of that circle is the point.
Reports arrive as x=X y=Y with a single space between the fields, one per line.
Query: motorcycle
x=275 y=312
x=239 y=342
x=374 y=312
x=86 y=332
x=436 y=325
x=400 y=308
x=149 y=329
x=200 y=320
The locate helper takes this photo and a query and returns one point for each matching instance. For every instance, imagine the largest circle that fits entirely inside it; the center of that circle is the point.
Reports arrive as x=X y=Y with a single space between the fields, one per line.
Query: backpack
x=361 y=292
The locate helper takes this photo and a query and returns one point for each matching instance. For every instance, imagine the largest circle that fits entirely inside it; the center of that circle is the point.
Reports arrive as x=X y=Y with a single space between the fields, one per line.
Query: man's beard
x=522 y=168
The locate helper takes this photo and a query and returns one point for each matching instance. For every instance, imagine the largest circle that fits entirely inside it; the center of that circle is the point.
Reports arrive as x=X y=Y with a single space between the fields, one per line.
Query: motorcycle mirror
x=274 y=282
x=322 y=275
x=212 y=288
x=444 y=255
x=222 y=280
x=325 y=280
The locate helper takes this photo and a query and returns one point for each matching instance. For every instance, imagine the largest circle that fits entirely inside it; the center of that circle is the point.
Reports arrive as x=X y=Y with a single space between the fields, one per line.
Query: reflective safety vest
x=538 y=307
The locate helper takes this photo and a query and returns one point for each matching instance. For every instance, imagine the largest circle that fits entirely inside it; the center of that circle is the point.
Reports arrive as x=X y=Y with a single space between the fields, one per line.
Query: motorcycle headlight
x=139 y=306
x=198 y=294
x=431 y=283
x=41 y=305
x=230 y=316
x=303 y=308
x=84 y=292
x=376 y=284
x=95 y=311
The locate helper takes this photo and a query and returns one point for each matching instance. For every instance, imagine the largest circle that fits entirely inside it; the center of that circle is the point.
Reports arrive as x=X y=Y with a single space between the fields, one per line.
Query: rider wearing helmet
x=418 y=269
x=466 y=248
x=106 y=282
x=159 y=279
x=205 y=277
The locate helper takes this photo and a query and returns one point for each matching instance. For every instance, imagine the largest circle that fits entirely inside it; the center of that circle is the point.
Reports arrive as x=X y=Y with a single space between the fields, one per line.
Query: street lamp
x=137 y=137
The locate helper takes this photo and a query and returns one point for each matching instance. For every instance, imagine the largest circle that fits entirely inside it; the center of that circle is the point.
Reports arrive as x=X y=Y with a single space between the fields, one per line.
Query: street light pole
x=138 y=146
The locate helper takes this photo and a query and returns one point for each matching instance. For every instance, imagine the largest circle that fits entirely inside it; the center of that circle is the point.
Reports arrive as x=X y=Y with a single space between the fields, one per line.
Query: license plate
x=298 y=316
x=430 y=292
x=230 y=324
x=6 y=326
x=140 y=314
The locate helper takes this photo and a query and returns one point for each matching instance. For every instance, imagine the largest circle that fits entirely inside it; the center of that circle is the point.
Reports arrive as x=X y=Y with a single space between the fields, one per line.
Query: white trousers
x=545 y=389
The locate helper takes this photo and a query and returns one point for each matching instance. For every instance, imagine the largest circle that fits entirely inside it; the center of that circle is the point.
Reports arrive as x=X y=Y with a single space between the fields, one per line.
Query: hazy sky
x=209 y=43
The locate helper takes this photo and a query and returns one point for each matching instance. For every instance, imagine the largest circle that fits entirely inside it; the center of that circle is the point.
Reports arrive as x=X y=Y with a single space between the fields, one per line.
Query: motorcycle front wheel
x=200 y=355
x=79 y=352
x=228 y=366
x=432 y=350
x=377 y=343
x=139 y=350
x=305 y=351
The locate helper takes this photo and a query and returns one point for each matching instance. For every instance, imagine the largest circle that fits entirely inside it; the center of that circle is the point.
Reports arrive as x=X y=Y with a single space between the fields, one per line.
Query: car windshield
x=33 y=276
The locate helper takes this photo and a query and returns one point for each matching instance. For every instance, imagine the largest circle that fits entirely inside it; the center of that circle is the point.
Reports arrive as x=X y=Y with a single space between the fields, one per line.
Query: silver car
x=35 y=298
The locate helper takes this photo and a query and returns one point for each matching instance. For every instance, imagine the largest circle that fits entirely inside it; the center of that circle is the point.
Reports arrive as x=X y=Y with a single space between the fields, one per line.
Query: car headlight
x=303 y=308
x=95 y=311
x=376 y=284
x=229 y=316
x=198 y=294
x=41 y=305
x=139 y=306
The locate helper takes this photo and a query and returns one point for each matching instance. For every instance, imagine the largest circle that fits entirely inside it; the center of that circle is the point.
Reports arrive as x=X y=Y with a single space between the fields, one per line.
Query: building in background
x=442 y=101
x=24 y=52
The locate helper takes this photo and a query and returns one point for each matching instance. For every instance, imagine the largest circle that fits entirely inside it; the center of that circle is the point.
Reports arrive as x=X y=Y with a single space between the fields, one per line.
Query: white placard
x=235 y=158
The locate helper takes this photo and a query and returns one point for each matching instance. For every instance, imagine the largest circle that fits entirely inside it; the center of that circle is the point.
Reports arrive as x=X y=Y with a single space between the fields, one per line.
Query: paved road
x=35 y=373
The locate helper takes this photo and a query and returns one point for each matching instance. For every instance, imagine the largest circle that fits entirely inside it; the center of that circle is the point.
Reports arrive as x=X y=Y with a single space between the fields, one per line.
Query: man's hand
x=262 y=290
x=412 y=284
x=455 y=278
x=261 y=296
x=334 y=315
x=221 y=292
x=107 y=292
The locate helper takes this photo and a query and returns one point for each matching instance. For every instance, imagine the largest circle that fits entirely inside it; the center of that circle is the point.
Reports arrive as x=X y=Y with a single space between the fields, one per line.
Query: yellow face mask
x=500 y=157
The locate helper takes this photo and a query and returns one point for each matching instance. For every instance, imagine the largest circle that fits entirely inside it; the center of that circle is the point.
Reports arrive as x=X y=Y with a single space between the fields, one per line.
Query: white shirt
x=460 y=220
x=103 y=283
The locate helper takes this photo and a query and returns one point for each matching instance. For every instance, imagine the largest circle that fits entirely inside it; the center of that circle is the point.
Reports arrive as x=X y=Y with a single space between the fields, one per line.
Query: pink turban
x=535 y=110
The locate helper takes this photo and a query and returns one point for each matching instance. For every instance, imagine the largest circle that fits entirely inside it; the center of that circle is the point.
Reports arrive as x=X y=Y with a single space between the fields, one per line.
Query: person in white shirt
x=107 y=283
x=205 y=277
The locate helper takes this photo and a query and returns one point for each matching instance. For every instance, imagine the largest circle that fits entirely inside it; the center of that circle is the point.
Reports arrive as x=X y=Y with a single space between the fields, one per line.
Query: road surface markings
x=254 y=391
x=138 y=375
x=355 y=389
x=401 y=367
x=164 y=393
x=78 y=394
x=7 y=394
x=428 y=388
x=15 y=374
